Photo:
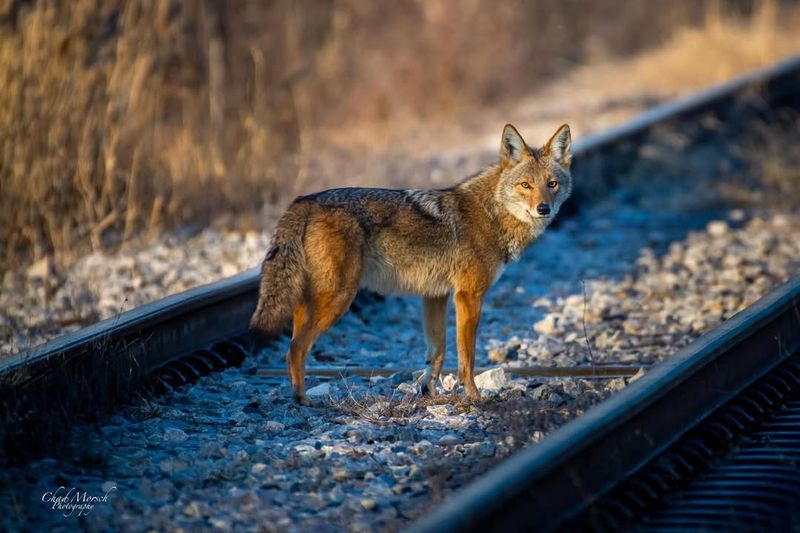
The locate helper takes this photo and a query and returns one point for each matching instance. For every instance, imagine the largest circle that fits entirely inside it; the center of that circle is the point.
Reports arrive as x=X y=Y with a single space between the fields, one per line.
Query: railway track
x=637 y=460
x=160 y=347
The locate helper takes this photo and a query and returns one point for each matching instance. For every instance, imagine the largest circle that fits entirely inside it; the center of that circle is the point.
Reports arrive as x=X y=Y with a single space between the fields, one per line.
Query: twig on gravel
x=583 y=321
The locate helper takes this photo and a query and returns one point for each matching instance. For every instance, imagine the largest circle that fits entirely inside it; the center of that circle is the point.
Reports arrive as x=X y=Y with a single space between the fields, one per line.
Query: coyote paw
x=302 y=399
x=472 y=393
x=427 y=384
x=429 y=389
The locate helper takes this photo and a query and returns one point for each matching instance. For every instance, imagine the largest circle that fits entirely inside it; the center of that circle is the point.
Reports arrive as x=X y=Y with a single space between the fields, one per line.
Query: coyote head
x=534 y=182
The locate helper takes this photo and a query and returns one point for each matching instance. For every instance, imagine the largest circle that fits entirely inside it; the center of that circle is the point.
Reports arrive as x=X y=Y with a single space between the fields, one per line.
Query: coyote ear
x=558 y=147
x=512 y=147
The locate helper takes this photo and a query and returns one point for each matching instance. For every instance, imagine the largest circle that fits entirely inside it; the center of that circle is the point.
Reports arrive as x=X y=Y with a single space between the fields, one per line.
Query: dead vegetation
x=721 y=47
x=518 y=418
x=775 y=158
x=119 y=119
x=398 y=408
x=770 y=156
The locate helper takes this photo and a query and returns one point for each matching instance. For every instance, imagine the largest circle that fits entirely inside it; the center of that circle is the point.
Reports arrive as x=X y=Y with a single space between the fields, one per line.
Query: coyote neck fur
x=511 y=235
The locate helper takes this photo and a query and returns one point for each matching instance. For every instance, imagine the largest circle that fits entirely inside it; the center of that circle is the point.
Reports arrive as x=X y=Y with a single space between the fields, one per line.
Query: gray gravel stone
x=320 y=391
x=493 y=379
x=541 y=393
x=449 y=440
x=175 y=435
x=440 y=411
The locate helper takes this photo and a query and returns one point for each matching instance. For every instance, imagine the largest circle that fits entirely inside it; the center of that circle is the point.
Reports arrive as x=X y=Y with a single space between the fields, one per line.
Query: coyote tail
x=283 y=274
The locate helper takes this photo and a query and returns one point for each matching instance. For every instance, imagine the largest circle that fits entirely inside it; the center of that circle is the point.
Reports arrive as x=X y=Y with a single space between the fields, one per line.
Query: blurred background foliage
x=120 y=119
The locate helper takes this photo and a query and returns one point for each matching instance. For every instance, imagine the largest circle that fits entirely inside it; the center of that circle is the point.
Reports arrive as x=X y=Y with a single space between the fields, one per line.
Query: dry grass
x=118 y=119
x=770 y=156
x=774 y=157
x=721 y=47
x=389 y=410
x=113 y=121
x=723 y=44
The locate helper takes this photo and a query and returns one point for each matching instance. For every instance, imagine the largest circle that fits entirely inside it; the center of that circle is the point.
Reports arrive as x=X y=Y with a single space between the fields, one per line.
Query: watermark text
x=74 y=502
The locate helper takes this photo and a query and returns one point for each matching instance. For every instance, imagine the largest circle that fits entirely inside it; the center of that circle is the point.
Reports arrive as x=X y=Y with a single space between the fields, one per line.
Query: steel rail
x=607 y=154
x=542 y=486
x=74 y=375
x=83 y=373
x=598 y=371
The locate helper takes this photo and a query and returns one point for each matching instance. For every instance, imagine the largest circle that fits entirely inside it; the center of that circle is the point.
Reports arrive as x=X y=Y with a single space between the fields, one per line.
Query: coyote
x=433 y=243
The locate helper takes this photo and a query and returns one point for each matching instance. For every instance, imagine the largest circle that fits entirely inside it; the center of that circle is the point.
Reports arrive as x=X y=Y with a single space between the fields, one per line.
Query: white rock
x=542 y=302
x=616 y=384
x=717 y=228
x=449 y=382
x=547 y=325
x=737 y=215
x=455 y=422
x=493 y=379
x=781 y=220
x=220 y=523
x=368 y=504
x=407 y=388
x=258 y=467
x=323 y=389
x=192 y=510
x=175 y=435
x=537 y=436
x=307 y=450
x=440 y=411
x=229 y=269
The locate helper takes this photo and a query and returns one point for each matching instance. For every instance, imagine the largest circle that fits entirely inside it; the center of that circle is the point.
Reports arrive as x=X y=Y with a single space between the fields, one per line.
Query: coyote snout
x=435 y=243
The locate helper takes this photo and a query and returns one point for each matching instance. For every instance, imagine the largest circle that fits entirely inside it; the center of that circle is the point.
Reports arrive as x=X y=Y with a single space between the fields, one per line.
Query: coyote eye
x=525 y=185
x=552 y=184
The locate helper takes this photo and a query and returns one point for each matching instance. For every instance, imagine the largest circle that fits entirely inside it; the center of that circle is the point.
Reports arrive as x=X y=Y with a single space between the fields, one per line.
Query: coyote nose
x=543 y=209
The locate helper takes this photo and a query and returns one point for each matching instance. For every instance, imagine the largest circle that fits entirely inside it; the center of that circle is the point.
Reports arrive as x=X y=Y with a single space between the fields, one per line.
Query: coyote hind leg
x=311 y=321
x=333 y=272
x=302 y=339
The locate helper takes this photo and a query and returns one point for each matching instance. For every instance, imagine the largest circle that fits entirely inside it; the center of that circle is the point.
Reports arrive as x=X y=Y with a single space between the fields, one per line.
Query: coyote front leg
x=468 y=314
x=434 y=312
